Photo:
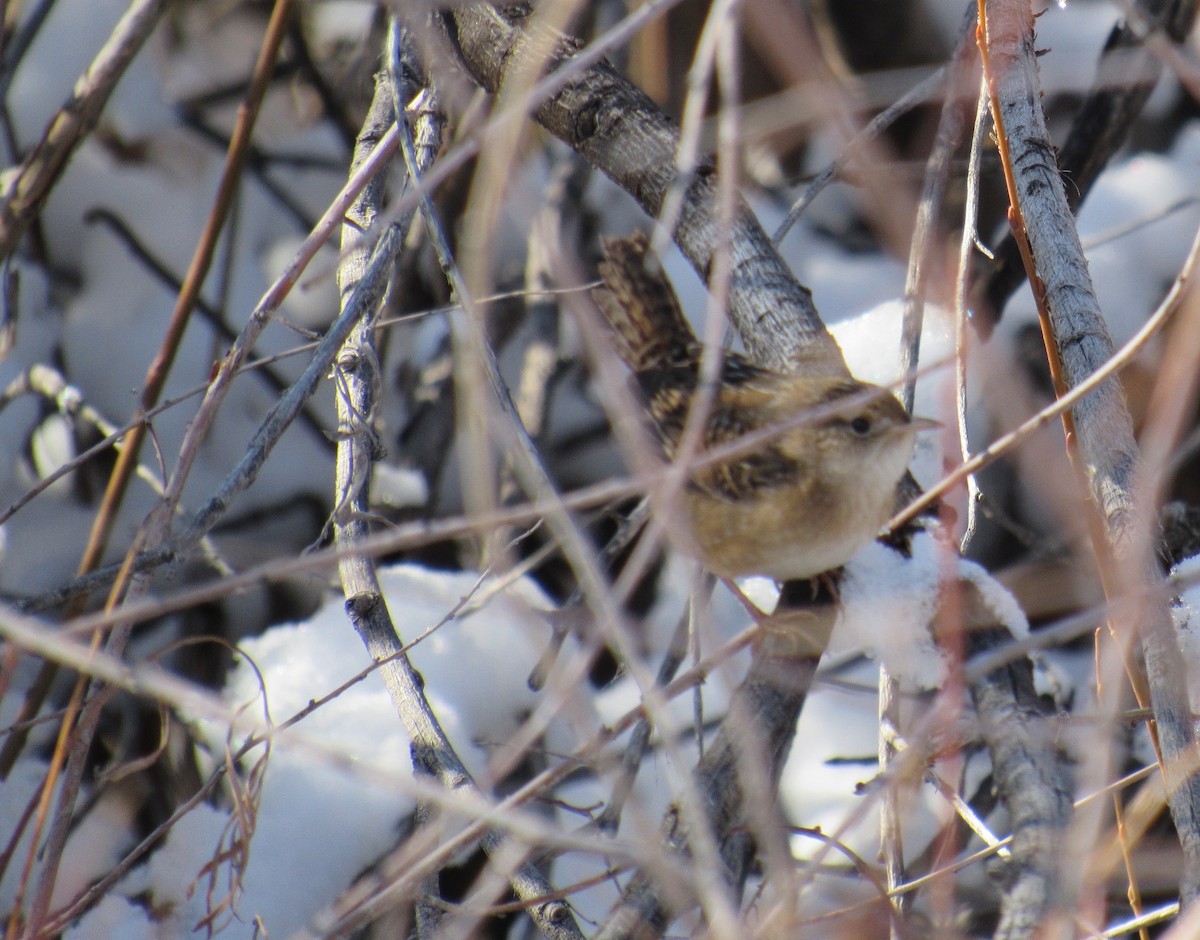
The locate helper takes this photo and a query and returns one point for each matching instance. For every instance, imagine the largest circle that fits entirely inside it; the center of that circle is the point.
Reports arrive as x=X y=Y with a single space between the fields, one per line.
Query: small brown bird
x=802 y=503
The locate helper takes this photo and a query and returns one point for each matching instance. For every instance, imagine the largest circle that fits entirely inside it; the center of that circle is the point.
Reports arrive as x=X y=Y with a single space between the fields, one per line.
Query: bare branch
x=27 y=189
x=1077 y=336
x=1127 y=73
x=359 y=385
x=625 y=135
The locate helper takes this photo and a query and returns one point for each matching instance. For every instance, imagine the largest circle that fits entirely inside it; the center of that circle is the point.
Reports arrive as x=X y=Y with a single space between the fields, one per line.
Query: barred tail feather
x=639 y=304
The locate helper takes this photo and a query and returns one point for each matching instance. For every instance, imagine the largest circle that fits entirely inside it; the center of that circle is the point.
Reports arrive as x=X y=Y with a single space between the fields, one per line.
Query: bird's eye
x=861 y=426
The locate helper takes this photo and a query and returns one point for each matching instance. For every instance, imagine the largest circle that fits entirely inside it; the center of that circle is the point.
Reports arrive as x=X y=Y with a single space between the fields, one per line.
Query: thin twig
x=127 y=460
x=27 y=188
x=970 y=237
x=925 y=241
x=918 y=95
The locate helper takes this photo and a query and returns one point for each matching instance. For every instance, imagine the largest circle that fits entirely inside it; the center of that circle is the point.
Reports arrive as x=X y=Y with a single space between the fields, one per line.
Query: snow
x=92 y=848
x=888 y=602
x=342 y=20
x=18 y=790
x=821 y=780
x=173 y=877
x=352 y=809
x=115 y=916
x=397 y=487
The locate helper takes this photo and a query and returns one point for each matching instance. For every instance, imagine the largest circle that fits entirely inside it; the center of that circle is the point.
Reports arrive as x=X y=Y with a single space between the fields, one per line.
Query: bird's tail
x=639 y=303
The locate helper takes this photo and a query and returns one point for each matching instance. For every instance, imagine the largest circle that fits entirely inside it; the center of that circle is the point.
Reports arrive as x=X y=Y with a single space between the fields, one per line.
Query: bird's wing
x=668 y=394
x=738 y=478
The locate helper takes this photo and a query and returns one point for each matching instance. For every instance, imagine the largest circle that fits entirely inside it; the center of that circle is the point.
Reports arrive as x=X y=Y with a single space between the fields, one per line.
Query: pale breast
x=783 y=541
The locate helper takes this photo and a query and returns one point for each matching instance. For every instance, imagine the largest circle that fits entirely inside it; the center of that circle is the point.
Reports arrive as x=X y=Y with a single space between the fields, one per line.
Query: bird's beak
x=923 y=424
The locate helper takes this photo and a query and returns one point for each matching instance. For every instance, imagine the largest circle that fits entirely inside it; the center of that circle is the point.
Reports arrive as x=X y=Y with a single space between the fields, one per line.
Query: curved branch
x=622 y=133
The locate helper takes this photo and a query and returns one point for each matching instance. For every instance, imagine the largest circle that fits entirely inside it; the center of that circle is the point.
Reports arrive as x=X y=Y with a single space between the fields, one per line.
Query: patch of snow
x=474 y=668
x=114 y=916
x=93 y=847
x=839 y=728
x=889 y=601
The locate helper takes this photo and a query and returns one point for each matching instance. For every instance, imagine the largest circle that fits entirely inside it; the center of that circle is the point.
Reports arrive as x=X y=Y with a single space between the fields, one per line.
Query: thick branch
x=1032 y=778
x=621 y=132
x=1102 y=425
x=1126 y=75
x=739 y=773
